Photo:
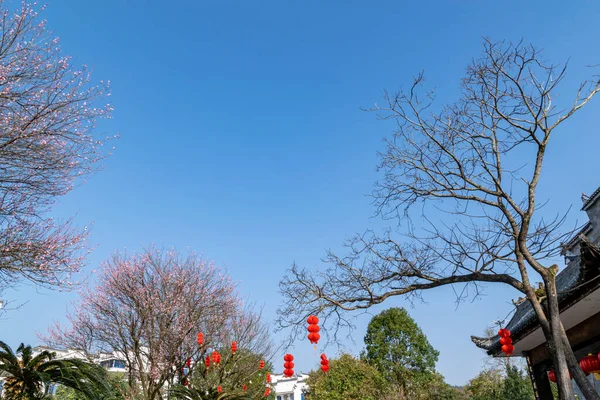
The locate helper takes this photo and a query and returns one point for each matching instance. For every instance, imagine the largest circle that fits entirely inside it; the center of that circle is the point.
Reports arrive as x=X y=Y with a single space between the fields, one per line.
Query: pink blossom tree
x=149 y=308
x=48 y=112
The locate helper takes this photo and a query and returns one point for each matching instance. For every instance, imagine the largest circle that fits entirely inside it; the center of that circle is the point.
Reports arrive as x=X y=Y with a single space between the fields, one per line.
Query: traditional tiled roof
x=573 y=283
x=590 y=200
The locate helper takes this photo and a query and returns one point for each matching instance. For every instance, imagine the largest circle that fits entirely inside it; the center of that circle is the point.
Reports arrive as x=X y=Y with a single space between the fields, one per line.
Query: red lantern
x=590 y=364
x=552 y=376
x=506 y=341
x=324 y=363
x=216 y=357
x=288 y=365
x=200 y=339
x=245 y=387
x=207 y=361
x=313 y=329
x=261 y=364
x=219 y=389
x=504 y=332
x=233 y=347
x=268 y=378
x=267 y=392
x=188 y=362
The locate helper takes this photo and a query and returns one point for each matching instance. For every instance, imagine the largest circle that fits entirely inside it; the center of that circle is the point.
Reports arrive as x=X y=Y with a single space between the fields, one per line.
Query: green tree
x=234 y=371
x=487 y=385
x=29 y=375
x=348 y=379
x=398 y=348
x=516 y=385
x=117 y=387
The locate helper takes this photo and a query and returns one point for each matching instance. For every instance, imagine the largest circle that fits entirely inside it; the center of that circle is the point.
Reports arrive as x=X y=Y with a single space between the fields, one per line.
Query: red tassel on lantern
x=233 y=347
x=200 y=339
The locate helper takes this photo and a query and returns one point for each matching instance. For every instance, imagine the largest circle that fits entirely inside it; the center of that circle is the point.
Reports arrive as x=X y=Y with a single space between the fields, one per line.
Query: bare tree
x=150 y=307
x=48 y=112
x=465 y=159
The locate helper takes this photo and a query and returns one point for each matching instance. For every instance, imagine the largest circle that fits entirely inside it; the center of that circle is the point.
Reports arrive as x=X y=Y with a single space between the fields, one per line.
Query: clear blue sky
x=242 y=138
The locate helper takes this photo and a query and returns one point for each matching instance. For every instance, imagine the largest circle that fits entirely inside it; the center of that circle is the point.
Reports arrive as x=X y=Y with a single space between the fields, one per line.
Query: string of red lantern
x=233 y=347
x=313 y=329
x=261 y=364
x=268 y=378
x=506 y=341
x=216 y=357
x=200 y=339
x=219 y=389
x=245 y=387
x=267 y=392
x=207 y=362
x=288 y=365
x=324 y=363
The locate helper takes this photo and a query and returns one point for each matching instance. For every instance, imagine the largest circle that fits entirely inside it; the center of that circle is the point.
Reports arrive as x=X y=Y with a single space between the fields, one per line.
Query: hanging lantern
x=268 y=378
x=261 y=364
x=506 y=341
x=233 y=347
x=216 y=357
x=590 y=364
x=288 y=365
x=313 y=329
x=324 y=363
x=200 y=339
x=504 y=332
x=207 y=362
x=245 y=387
x=219 y=389
x=552 y=376
x=267 y=392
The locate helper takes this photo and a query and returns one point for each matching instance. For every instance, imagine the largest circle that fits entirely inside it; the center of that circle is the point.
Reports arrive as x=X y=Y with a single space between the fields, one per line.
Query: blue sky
x=242 y=137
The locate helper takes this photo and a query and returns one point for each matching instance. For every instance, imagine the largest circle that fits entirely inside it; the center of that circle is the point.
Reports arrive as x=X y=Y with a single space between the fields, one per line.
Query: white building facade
x=289 y=388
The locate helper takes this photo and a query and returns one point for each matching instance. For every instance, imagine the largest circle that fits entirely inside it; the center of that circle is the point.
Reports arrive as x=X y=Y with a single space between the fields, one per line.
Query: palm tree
x=28 y=376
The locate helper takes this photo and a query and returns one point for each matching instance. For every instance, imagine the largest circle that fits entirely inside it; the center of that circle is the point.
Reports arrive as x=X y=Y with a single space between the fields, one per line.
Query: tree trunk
x=564 y=359
x=582 y=382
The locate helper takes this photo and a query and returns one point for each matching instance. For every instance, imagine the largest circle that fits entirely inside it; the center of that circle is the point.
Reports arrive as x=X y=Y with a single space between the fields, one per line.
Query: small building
x=289 y=388
x=578 y=286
